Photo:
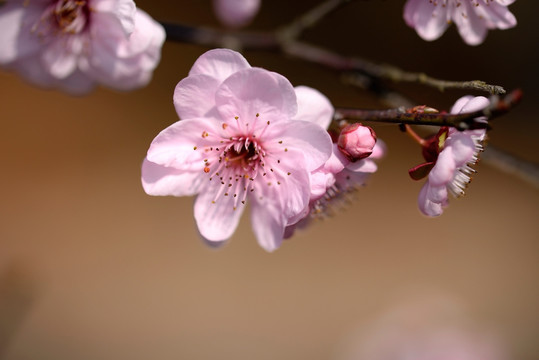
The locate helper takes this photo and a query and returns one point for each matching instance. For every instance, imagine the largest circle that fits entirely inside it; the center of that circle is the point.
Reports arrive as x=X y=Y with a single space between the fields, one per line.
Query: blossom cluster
x=75 y=44
x=247 y=135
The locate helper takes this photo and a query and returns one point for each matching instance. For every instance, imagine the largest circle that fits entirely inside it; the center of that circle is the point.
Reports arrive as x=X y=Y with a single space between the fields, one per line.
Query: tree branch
x=464 y=121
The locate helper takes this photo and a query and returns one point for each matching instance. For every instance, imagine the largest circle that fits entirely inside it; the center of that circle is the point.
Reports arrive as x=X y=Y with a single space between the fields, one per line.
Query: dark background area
x=93 y=268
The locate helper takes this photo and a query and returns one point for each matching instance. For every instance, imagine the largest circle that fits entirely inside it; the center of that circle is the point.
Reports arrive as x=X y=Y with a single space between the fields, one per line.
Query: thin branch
x=512 y=165
x=333 y=60
x=210 y=37
x=464 y=121
x=270 y=41
x=310 y=19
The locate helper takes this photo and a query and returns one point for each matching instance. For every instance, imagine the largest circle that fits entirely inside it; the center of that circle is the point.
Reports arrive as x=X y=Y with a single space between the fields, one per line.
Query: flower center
x=242 y=160
x=71 y=15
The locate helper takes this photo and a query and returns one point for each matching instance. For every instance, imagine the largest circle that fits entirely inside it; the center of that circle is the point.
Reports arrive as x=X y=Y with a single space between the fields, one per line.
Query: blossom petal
x=365 y=166
x=312 y=140
x=313 y=106
x=216 y=215
x=219 y=64
x=16 y=39
x=181 y=145
x=194 y=96
x=459 y=104
x=58 y=58
x=496 y=16
x=444 y=169
x=462 y=146
x=437 y=194
x=160 y=180
x=122 y=10
x=256 y=91
x=119 y=61
x=471 y=28
x=475 y=104
x=268 y=224
x=426 y=206
x=429 y=20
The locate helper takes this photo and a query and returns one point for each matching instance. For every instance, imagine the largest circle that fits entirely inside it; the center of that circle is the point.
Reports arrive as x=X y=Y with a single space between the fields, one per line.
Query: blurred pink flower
x=449 y=162
x=236 y=13
x=74 y=44
x=239 y=140
x=426 y=328
x=430 y=18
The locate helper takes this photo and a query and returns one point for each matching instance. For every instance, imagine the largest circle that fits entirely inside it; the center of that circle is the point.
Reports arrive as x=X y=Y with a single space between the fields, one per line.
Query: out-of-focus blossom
x=74 y=44
x=434 y=328
x=450 y=156
x=236 y=13
x=430 y=18
x=356 y=141
x=238 y=140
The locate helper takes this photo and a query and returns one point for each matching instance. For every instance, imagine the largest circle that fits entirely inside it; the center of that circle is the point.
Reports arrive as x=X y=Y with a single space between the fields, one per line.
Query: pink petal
x=459 y=104
x=462 y=146
x=429 y=21
x=336 y=162
x=426 y=206
x=58 y=59
x=313 y=106
x=181 y=144
x=268 y=224
x=16 y=38
x=122 y=10
x=365 y=166
x=310 y=139
x=236 y=13
x=471 y=28
x=444 y=170
x=505 y=2
x=320 y=181
x=350 y=179
x=194 y=96
x=119 y=61
x=293 y=193
x=437 y=194
x=214 y=213
x=256 y=91
x=496 y=16
x=379 y=150
x=475 y=104
x=160 y=180
x=219 y=63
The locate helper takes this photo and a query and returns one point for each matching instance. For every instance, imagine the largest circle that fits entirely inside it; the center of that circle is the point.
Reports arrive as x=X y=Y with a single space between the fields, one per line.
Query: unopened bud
x=356 y=141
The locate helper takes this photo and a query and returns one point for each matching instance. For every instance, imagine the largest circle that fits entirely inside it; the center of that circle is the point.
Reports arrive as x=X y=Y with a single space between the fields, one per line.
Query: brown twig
x=464 y=121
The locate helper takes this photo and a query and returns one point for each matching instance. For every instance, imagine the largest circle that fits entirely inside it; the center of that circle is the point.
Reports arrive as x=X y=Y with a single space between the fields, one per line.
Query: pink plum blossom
x=450 y=161
x=74 y=44
x=239 y=140
x=236 y=13
x=430 y=18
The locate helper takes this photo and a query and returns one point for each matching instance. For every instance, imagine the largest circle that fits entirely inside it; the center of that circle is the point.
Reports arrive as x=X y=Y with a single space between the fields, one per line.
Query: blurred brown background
x=92 y=268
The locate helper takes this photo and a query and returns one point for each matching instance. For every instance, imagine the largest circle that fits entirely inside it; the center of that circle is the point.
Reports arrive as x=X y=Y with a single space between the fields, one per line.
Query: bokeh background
x=93 y=268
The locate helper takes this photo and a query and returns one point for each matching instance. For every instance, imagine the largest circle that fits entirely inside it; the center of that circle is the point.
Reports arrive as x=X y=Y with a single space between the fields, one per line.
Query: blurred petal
x=219 y=64
x=216 y=215
x=313 y=106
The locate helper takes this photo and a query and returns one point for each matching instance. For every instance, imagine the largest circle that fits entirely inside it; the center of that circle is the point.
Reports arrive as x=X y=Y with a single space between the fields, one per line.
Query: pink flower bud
x=356 y=141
